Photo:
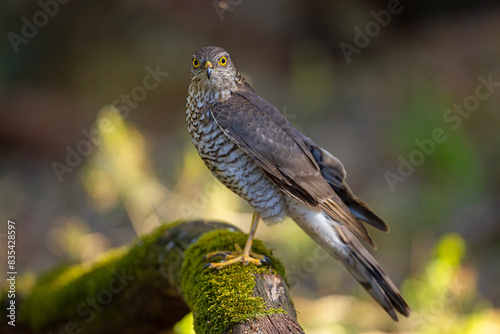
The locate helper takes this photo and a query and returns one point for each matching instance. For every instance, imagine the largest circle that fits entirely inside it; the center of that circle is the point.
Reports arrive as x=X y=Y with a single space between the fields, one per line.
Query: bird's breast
x=230 y=164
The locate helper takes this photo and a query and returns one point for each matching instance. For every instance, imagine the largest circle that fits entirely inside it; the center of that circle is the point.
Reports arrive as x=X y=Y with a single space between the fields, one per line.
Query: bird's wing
x=260 y=130
x=334 y=173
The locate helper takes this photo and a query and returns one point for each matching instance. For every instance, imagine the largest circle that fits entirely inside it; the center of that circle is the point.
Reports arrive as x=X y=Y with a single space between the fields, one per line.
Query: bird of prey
x=253 y=150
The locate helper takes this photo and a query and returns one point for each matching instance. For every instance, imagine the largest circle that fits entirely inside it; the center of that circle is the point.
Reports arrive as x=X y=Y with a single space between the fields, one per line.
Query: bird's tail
x=343 y=245
x=366 y=270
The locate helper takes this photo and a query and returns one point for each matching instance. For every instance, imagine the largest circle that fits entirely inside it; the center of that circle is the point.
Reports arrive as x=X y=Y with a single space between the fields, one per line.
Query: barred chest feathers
x=227 y=162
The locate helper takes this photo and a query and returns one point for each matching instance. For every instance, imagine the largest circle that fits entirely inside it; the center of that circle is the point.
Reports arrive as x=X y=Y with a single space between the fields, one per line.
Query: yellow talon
x=245 y=256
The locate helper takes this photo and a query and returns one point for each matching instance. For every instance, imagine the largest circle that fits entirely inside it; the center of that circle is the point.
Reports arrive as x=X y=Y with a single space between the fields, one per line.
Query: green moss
x=58 y=293
x=221 y=298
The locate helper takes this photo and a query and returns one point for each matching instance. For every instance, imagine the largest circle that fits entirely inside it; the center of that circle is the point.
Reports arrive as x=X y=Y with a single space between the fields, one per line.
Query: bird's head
x=211 y=66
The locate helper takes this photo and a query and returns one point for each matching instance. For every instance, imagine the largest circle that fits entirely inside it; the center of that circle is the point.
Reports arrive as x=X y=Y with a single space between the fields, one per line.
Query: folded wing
x=282 y=152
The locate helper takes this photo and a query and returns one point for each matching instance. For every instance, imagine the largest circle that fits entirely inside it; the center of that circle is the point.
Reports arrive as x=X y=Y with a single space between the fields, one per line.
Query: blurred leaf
x=122 y=169
x=71 y=238
x=439 y=297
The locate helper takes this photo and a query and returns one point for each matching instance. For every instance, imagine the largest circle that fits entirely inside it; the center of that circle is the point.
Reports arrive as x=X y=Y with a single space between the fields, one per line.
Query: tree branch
x=149 y=286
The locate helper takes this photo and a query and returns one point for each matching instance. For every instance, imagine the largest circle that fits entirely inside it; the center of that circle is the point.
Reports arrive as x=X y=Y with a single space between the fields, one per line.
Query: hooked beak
x=209 y=68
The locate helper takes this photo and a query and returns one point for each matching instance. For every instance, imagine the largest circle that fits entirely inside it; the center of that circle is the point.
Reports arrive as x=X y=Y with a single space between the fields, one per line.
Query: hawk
x=253 y=150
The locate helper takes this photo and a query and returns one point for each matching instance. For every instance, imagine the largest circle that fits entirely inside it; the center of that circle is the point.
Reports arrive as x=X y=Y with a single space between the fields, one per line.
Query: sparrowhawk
x=253 y=150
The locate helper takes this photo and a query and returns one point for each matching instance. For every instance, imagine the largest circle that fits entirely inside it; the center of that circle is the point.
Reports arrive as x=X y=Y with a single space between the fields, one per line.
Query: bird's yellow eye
x=223 y=61
x=196 y=63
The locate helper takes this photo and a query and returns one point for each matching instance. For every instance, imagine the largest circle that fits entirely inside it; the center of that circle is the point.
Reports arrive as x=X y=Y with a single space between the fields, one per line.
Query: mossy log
x=150 y=285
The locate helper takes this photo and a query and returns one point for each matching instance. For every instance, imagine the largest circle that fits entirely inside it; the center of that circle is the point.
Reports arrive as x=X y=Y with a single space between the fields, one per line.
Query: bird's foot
x=229 y=258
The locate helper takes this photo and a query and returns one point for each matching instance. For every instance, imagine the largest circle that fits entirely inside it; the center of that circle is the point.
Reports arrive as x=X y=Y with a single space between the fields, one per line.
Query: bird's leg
x=246 y=256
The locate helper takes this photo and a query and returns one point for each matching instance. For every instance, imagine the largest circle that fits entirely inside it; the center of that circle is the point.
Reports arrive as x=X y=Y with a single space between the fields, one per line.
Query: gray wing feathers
x=279 y=149
x=334 y=173
x=263 y=133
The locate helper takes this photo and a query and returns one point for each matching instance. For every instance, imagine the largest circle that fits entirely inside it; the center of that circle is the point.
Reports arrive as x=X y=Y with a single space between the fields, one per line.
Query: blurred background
x=406 y=94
